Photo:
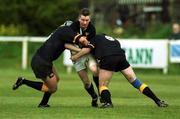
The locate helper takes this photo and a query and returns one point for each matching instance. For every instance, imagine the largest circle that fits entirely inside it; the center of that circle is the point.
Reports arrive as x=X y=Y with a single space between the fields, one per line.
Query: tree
x=40 y=16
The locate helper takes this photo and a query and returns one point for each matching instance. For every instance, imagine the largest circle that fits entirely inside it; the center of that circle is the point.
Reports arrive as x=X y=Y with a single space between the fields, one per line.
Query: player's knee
x=94 y=69
x=53 y=90
x=130 y=78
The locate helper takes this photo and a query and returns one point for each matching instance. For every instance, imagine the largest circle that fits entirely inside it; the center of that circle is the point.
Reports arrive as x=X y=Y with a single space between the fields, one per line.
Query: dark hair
x=84 y=12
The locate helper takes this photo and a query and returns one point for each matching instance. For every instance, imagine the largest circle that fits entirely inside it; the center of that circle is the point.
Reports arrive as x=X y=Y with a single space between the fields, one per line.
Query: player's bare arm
x=83 y=52
x=72 y=47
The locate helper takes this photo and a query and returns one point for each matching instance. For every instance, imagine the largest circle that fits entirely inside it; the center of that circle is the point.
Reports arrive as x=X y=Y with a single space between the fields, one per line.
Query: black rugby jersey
x=105 y=46
x=54 y=46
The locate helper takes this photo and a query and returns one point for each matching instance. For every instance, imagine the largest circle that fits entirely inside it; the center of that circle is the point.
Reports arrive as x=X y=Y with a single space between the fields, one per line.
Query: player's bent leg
x=52 y=86
x=92 y=64
x=47 y=95
x=80 y=66
x=143 y=88
x=89 y=87
x=129 y=74
x=33 y=84
x=104 y=79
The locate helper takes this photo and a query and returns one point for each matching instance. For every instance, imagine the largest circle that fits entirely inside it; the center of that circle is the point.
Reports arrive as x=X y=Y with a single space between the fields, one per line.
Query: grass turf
x=71 y=100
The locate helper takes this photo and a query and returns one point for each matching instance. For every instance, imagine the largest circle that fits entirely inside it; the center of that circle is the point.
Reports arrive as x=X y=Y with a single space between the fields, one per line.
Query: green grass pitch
x=72 y=102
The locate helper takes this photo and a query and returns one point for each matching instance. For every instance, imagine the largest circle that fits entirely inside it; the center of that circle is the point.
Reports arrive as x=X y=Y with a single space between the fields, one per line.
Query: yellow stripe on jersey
x=142 y=87
x=102 y=88
x=75 y=38
x=44 y=88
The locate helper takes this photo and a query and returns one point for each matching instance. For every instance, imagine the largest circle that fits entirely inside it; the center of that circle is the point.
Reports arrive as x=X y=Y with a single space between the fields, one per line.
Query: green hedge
x=13 y=30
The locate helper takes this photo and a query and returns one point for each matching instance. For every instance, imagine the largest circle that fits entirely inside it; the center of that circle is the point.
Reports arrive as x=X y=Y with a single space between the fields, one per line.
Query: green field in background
x=72 y=102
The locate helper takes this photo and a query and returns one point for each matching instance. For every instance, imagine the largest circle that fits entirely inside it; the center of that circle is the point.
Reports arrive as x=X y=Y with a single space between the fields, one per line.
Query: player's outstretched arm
x=83 y=52
x=72 y=47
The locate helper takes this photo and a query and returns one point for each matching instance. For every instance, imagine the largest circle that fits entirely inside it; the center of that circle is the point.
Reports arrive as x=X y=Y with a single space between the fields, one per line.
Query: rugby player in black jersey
x=42 y=62
x=111 y=58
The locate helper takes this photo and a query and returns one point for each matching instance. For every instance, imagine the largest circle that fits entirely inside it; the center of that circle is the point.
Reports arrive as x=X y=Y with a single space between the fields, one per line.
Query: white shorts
x=84 y=62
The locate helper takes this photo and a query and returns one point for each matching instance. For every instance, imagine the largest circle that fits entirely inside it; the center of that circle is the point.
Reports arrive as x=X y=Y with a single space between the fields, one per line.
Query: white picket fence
x=24 y=40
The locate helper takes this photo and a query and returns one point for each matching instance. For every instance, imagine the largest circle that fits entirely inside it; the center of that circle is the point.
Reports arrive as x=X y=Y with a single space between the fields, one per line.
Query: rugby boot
x=18 y=83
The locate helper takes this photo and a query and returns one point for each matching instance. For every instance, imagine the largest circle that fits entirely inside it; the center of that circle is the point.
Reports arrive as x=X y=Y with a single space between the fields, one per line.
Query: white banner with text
x=146 y=53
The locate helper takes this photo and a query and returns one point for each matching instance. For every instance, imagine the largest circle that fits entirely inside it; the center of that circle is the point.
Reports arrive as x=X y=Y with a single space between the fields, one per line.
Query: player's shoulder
x=75 y=26
x=91 y=26
x=67 y=23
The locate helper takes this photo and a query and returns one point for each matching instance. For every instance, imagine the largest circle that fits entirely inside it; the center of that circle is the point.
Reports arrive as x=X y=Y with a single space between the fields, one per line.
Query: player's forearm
x=72 y=47
x=83 y=52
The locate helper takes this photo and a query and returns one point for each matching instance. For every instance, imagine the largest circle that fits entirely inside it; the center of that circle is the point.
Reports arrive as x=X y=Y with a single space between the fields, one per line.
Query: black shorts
x=40 y=67
x=114 y=63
